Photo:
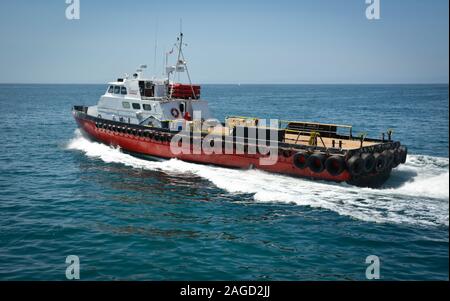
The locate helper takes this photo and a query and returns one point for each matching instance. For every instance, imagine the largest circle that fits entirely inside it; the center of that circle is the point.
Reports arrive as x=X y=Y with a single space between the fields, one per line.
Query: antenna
x=156 y=47
x=181 y=64
x=183 y=60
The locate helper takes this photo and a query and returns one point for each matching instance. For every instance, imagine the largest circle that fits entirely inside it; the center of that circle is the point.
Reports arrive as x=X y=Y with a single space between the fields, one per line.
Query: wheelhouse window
x=111 y=89
x=136 y=106
x=123 y=91
x=147 y=107
x=116 y=89
x=125 y=105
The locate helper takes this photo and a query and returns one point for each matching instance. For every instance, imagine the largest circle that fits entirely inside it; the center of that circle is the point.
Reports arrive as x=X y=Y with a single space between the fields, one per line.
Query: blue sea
x=130 y=219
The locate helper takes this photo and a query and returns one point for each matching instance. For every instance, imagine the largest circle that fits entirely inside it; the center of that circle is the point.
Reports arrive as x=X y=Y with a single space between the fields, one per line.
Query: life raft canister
x=335 y=165
x=175 y=113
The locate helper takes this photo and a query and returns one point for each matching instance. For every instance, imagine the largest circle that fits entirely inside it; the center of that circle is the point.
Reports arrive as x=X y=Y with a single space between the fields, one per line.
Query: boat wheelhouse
x=148 y=102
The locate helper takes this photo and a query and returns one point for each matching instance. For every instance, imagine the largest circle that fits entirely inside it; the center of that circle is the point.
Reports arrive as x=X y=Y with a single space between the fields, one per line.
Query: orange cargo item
x=185 y=91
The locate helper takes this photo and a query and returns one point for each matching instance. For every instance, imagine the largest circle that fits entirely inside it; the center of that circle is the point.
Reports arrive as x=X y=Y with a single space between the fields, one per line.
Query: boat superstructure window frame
x=126 y=105
x=136 y=106
x=123 y=90
x=111 y=89
x=147 y=107
x=146 y=88
x=116 y=89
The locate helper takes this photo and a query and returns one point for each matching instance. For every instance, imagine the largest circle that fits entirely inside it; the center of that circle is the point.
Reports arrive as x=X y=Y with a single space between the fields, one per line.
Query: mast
x=156 y=49
x=181 y=63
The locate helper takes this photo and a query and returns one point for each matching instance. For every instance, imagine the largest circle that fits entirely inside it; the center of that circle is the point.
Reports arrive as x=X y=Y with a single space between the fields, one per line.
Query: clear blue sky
x=302 y=41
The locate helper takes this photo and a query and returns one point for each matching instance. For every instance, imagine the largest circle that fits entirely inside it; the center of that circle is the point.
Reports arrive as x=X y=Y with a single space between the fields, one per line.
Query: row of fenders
x=166 y=137
x=153 y=135
x=358 y=164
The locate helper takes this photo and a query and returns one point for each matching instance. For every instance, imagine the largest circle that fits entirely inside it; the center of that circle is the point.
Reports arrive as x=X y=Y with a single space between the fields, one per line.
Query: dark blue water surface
x=132 y=219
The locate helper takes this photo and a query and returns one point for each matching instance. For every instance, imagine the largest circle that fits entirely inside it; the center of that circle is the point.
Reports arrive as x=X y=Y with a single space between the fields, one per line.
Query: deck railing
x=325 y=129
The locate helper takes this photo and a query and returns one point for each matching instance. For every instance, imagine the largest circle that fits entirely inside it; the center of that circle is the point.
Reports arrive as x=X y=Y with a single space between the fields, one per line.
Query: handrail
x=317 y=134
x=244 y=117
x=349 y=127
x=304 y=122
x=319 y=123
x=293 y=121
x=323 y=142
x=294 y=131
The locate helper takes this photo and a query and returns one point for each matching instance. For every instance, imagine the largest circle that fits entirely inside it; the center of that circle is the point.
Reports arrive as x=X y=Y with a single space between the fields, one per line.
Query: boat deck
x=303 y=139
x=300 y=133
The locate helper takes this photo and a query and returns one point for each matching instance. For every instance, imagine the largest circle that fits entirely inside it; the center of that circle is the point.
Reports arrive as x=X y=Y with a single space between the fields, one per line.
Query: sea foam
x=416 y=193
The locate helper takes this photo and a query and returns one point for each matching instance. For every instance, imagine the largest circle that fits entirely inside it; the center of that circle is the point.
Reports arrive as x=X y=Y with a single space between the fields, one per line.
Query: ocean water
x=130 y=219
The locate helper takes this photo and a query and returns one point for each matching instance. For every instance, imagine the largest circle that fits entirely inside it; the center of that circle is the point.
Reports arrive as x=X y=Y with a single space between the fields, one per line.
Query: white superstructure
x=151 y=102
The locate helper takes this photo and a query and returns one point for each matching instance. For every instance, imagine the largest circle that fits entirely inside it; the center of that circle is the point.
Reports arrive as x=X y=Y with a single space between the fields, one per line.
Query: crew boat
x=162 y=119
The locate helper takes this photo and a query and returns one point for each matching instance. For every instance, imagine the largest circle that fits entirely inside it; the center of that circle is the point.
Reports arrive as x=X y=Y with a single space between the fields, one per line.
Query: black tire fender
x=286 y=153
x=404 y=155
x=300 y=160
x=389 y=157
x=335 y=165
x=369 y=162
x=380 y=162
x=316 y=162
x=355 y=165
x=397 y=157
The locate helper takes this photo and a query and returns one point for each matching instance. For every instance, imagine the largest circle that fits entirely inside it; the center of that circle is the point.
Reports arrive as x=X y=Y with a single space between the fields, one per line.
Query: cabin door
x=182 y=108
x=147 y=88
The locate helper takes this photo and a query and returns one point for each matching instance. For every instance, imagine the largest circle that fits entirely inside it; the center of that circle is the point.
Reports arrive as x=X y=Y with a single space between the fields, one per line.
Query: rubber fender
x=389 y=157
x=380 y=162
x=316 y=162
x=355 y=165
x=335 y=165
x=397 y=157
x=286 y=153
x=300 y=159
x=369 y=162
x=404 y=151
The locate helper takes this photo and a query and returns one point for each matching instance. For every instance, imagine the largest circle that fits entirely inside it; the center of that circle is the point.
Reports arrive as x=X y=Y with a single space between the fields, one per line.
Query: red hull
x=147 y=146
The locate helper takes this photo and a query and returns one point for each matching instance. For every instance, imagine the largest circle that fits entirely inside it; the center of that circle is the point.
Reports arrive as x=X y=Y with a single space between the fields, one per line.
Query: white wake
x=416 y=193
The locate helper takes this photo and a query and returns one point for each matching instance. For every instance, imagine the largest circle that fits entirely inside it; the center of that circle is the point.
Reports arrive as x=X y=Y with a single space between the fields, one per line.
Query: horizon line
x=238 y=84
